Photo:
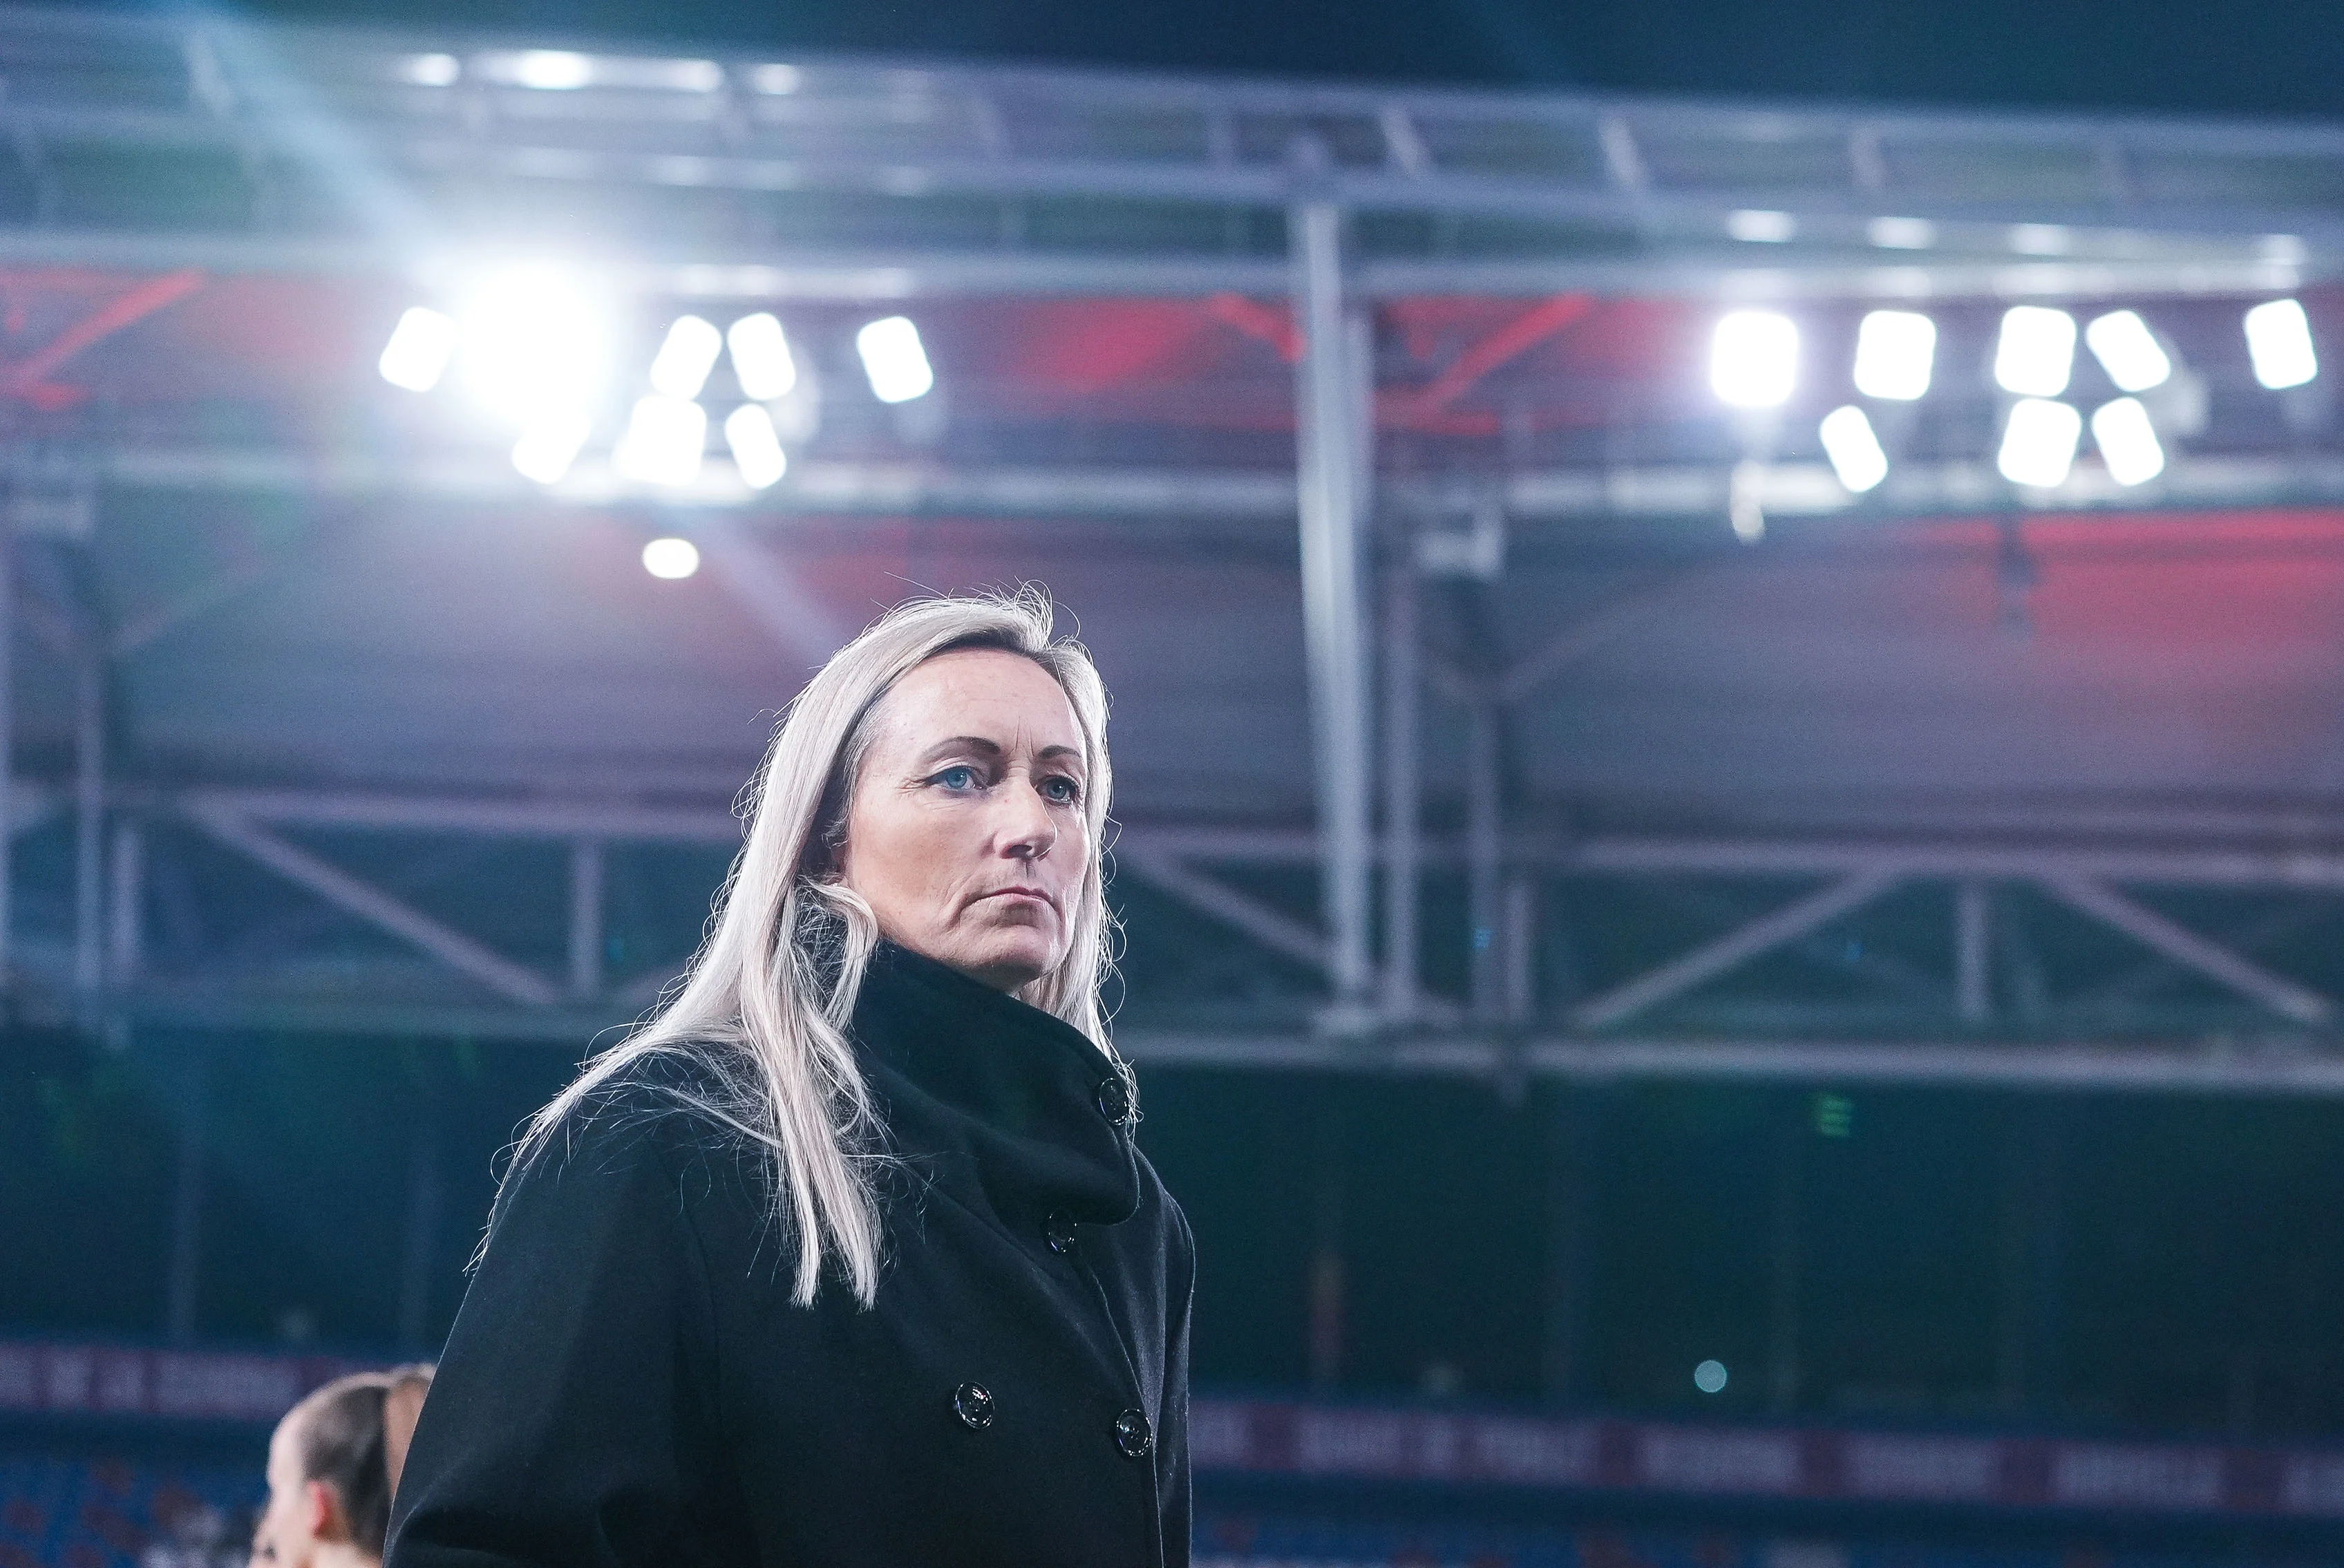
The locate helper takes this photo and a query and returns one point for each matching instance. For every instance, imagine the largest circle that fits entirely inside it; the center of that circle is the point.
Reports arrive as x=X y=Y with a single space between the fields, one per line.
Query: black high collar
x=969 y=1074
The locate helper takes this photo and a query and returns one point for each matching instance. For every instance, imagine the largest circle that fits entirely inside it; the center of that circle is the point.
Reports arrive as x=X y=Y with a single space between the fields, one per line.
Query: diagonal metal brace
x=1279 y=932
x=1736 y=946
x=371 y=903
x=2188 y=949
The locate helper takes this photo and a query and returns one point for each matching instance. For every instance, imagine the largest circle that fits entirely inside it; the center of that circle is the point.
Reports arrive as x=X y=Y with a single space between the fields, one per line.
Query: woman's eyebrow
x=962 y=743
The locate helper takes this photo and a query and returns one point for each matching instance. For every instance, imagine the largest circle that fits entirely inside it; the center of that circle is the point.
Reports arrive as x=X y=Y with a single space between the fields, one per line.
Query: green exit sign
x=1835 y=1115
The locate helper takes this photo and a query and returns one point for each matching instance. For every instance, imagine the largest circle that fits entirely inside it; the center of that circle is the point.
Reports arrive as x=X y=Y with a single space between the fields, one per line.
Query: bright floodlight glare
x=761 y=357
x=1753 y=359
x=430 y=70
x=1760 y=228
x=1902 y=233
x=688 y=352
x=894 y=359
x=756 y=449
x=673 y=559
x=2128 y=351
x=549 y=444
x=664 y=439
x=2037 y=351
x=552 y=70
x=2278 y=340
x=1895 y=352
x=2128 y=441
x=1710 y=1377
x=2041 y=239
x=534 y=341
x=2038 y=444
x=1854 y=452
x=419 y=350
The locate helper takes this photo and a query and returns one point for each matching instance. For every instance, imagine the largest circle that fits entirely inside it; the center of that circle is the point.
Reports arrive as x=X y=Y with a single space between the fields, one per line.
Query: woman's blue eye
x=1062 y=790
x=957 y=778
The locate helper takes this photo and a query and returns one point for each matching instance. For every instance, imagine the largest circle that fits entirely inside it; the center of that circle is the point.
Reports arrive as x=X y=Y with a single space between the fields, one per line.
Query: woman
x=333 y=1465
x=846 y=1257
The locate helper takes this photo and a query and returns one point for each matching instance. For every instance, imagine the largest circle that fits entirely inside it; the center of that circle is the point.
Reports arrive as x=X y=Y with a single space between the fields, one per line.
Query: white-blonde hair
x=767 y=1000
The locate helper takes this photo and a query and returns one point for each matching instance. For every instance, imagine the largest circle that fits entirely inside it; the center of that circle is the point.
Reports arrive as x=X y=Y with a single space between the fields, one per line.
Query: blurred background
x=1727 y=634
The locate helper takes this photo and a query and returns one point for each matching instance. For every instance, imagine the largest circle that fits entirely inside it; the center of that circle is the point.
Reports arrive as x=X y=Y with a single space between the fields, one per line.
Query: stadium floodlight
x=1753 y=359
x=418 y=350
x=2128 y=351
x=1895 y=353
x=761 y=357
x=894 y=359
x=534 y=340
x=551 y=70
x=551 y=443
x=2279 y=341
x=1756 y=227
x=430 y=70
x=2038 y=443
x=671 y=558
x=1900 y=233
x=756 y=447
x=2041 y=239
x=1854 y=452
x=2036 y=352
x=685 y=356
x=664 y=440
x=2128 y=441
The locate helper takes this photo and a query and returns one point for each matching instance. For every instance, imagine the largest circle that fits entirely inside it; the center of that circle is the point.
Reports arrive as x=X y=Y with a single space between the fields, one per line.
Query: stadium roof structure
x=1367 y=432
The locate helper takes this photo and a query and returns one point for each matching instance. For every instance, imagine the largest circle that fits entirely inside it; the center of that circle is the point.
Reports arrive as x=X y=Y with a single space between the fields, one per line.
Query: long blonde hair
x=767 y=999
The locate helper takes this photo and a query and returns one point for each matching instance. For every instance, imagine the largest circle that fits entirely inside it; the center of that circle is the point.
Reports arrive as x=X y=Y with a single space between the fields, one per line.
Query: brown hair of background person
x=333 y=1465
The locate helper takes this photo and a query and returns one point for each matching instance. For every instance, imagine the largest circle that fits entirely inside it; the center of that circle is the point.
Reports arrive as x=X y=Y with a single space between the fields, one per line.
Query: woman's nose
x=1029 y=831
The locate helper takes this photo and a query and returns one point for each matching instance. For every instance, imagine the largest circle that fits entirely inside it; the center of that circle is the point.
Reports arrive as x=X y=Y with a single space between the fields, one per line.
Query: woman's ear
x=321 y=1510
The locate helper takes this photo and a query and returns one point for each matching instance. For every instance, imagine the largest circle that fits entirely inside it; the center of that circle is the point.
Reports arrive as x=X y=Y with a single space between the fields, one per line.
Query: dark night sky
x=2259 y=57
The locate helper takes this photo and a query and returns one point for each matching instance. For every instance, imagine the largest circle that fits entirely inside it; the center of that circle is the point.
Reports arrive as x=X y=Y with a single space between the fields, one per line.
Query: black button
x=974 y=1406
x=1132 y=1435
x=1115 y=1100
x=1060 y=1232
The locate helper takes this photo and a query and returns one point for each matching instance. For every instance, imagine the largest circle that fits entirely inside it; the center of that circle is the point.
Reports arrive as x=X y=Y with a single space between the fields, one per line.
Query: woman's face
x=966 y=833
x=286 y=1535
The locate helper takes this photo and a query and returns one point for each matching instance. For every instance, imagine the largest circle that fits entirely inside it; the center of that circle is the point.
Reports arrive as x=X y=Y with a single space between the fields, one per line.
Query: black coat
x=629 y=1383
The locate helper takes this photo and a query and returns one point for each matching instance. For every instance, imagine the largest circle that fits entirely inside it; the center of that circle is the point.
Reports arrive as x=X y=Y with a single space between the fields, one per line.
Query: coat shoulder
x=681 y=1109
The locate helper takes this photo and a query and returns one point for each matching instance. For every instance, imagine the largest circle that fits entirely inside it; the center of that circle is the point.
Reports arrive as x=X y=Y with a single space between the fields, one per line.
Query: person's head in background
x=332 y=1468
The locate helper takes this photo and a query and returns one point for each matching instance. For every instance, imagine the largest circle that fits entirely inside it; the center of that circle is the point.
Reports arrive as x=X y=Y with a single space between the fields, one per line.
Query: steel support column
x=1785 y=1244
x=89 y=815
x=187 y=1194
x=1331 y=433
x=1572 y=1165
x=424 y=1195
x=1327 y=1283
x=126 y=926
x=1519 y=927
x=1484 y=864
x=586 y=873
x=1973 y=991
x=2029 y=1366
x=7 y=736
x=1402 y=872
